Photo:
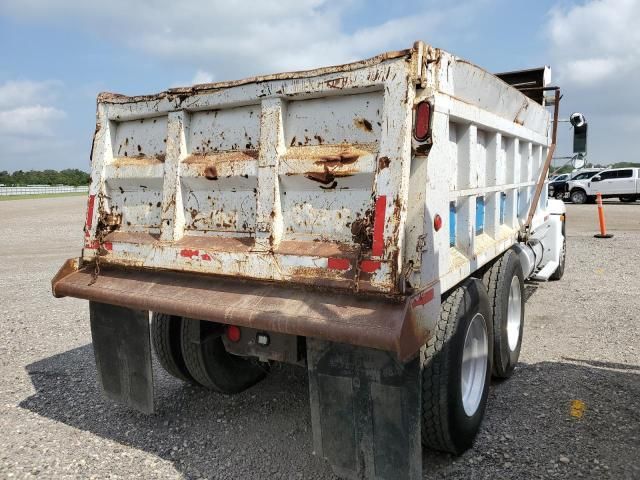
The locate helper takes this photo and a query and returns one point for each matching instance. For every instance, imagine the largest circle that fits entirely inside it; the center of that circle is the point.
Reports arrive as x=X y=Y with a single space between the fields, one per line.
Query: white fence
x=41 y=189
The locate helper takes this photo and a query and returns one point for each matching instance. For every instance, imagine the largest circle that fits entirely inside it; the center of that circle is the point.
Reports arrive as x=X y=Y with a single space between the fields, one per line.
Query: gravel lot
x=582 y=342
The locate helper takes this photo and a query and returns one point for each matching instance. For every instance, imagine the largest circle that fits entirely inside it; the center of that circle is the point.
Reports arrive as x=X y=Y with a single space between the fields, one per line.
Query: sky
x=58 y=55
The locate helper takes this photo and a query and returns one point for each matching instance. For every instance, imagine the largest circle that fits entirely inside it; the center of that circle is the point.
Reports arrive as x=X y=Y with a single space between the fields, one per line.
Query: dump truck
x=373 y=222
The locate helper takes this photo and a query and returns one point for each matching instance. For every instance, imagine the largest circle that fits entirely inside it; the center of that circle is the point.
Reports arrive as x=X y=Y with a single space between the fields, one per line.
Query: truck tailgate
x=299 y=178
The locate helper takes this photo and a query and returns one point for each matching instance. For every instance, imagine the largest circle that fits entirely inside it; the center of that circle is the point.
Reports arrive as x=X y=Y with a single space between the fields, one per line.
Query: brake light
x=422 y=124
x=233 y=333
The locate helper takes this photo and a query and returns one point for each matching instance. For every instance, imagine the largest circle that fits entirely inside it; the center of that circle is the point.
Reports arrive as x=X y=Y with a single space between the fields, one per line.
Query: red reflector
x=422 y=121
x=233 y=333
x=437 y=222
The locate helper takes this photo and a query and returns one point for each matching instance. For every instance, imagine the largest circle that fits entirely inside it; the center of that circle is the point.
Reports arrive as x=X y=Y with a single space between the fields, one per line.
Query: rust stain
x=326 y=177
x=336 y=154
x=330 y=187
x=363 y=124
x=140 y=159
x=337 y=83
x=211 y=173
x=229 y=156
x=362 y=230
x=383 y=162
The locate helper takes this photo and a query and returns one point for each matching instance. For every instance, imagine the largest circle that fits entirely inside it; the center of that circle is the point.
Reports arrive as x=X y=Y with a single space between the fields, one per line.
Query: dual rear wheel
x=193 y=351
x=478 y=333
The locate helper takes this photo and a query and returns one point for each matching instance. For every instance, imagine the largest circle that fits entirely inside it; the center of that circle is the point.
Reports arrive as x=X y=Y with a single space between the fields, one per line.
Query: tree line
x=70 y=176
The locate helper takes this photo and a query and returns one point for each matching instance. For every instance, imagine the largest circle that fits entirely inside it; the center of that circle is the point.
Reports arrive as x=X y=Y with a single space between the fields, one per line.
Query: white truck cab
x=623 y=183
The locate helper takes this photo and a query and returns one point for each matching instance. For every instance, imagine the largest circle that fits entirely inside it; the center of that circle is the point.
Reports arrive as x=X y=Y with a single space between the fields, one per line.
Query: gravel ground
x=582 y=342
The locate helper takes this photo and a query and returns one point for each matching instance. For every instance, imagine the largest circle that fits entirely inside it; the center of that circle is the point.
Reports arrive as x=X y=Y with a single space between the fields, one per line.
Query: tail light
x=233 y=333
x=422 y=123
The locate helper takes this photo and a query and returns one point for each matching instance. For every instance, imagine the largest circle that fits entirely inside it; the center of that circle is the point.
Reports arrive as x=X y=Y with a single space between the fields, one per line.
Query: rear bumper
x=392 y=325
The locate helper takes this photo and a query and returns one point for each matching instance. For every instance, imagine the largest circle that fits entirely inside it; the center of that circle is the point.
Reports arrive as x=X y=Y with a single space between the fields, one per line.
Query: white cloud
x=29 y=123
x=202 y=76
x=236 y=38
x=35 y=120
x=22 y=92
x=597 y=40
x=595 y=47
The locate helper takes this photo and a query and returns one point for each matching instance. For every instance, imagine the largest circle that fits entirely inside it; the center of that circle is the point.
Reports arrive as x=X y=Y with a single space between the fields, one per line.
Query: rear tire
x=165 y=336
x=579 y=197
x=452 y=411
x=211 y=365
x=504 y=282
x=628 y=199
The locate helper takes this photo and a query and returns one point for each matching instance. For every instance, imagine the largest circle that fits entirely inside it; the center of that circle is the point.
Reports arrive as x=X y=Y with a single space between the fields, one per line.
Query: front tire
x=457 y=370
x=628 y=199
x=579 y=197
x=504 y=282
x=211 y=365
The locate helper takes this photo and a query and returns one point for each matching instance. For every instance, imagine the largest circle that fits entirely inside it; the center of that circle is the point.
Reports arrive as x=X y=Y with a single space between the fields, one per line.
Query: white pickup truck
x=372 y=222
x=622 y=183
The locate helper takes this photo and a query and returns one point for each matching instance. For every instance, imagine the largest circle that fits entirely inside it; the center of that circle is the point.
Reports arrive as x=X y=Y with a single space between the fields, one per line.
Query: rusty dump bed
x=277 y=201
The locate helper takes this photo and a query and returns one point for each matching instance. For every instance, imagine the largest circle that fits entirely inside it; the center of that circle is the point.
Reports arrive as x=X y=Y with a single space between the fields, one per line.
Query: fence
x=41 y=189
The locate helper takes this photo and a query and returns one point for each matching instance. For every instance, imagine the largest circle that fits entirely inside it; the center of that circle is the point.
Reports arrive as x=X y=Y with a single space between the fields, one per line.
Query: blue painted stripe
x=452 y=224
x=479 y=215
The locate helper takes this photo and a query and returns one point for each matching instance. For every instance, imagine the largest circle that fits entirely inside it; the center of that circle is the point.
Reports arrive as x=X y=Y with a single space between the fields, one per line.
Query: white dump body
x=314 y=177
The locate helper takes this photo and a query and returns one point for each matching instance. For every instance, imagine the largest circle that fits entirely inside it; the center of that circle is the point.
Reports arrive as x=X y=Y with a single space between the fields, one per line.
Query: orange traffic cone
x=603 y=226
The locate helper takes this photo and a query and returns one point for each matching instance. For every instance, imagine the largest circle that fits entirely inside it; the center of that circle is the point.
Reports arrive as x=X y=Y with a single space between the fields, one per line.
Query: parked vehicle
x=556 y=185
x=373 y=222
x=623 y=183
x=559 y=189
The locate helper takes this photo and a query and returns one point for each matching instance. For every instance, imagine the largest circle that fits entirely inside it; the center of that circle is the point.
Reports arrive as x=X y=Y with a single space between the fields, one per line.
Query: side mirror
x=579 y=123
x=596 y=178
x=577 y=162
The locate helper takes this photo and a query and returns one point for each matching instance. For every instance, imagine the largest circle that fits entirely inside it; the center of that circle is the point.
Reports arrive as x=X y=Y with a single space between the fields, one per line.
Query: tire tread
x=435 y=411
x=163 y=337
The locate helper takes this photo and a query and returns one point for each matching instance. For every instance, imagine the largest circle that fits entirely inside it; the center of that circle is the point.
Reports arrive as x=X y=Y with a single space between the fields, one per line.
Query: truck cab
x=623 y=183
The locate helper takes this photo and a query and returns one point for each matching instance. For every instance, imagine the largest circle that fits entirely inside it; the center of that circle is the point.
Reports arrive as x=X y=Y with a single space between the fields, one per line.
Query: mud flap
x=365 y=411
x=122 y=348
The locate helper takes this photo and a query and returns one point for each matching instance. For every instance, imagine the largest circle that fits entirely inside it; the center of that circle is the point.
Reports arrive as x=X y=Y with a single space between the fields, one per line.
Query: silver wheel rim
x=579 y=197
x=514 y=313
x=474 y=364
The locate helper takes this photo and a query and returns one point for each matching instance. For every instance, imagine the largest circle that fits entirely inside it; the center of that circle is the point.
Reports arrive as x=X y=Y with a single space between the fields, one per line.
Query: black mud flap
x=365 y=411
x=122 y=348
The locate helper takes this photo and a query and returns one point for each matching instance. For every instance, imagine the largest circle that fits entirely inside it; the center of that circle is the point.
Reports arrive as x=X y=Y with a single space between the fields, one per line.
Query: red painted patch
x=189 y=253
x=378 y=226
x=338 y=263
x=205 y=256
x=90 y=204
x=95 y=245
x=369 y=266
x=422 y=299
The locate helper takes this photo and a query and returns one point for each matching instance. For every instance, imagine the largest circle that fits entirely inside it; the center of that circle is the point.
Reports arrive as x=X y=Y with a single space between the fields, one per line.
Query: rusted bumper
x=339 y=317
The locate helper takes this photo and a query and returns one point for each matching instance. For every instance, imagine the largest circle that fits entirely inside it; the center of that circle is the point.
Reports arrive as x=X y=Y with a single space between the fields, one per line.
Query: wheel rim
x=514 y=313
x=474 y=364
x=579 y=197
